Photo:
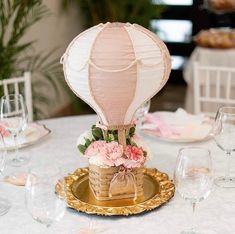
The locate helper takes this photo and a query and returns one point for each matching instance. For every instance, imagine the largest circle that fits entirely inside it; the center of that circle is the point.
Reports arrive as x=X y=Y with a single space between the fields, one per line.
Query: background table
x=208 y=57
x=217 y=213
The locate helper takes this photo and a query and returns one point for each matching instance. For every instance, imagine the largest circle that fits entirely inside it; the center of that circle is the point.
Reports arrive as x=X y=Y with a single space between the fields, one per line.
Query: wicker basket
x=124 y=185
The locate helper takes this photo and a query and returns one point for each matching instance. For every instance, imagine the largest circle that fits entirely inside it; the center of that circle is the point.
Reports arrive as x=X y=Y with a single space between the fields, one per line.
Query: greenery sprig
x=98 y=135
x=102 y=11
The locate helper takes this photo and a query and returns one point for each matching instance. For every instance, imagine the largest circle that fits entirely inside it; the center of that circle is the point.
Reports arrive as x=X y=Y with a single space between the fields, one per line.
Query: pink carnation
x=111 y=154
x=94 y=148
x=135 y=156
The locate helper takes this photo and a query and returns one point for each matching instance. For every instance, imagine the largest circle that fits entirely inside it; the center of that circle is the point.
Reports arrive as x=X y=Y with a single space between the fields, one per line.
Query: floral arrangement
x=104 y=150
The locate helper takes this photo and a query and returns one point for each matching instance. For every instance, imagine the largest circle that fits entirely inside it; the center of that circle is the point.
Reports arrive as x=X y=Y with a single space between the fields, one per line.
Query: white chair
x=212 y=88
x=23 y=84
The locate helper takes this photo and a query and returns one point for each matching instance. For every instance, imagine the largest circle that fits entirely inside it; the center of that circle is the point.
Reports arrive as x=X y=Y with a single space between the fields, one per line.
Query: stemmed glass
x=224 y=135
x=14 y=116
x=4 y=203
x=141 y=112
x=193 y=177
x=42 y=202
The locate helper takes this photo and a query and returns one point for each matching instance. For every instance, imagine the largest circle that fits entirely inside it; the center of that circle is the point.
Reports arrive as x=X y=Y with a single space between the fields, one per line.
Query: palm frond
x=16 y=17
x=94 y=12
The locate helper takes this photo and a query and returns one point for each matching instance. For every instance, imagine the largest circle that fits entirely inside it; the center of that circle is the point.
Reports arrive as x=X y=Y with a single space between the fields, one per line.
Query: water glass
x=42 y=202
x=193 y=177
x=14 y=116
x=141 y=112
x=4 y=203
x=224 y=135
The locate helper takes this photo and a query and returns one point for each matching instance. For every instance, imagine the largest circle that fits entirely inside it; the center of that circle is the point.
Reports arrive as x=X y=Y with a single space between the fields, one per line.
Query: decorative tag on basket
x=115 y=68
x=123 y=182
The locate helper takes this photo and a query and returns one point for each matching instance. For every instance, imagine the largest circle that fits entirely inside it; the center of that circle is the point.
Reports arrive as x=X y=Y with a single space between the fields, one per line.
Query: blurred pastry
x=216 y=38
x=222 y=5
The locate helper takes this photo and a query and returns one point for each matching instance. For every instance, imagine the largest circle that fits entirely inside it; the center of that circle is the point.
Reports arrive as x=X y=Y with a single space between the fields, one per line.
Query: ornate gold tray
x=158 y=189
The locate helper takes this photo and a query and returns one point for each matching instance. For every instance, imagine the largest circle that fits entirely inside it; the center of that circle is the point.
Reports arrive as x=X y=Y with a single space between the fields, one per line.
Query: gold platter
x=158 y=189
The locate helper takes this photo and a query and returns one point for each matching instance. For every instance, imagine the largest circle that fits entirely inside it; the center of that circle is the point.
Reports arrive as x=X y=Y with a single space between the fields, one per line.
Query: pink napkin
x=157 y=123
x=177 y=125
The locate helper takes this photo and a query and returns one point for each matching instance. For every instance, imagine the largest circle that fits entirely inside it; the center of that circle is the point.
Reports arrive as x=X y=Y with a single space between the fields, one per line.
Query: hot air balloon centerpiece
x=115 y=68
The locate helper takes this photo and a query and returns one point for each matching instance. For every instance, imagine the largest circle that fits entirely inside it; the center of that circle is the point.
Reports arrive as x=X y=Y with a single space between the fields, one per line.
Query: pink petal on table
x=87 y=231
x=18 y=180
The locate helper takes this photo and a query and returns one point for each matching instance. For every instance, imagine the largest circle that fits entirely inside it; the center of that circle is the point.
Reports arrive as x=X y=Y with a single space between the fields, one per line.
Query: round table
x=216 y=213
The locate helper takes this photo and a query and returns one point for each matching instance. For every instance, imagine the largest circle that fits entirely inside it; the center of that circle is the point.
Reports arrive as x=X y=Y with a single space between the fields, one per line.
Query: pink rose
x=135 y=156
x=110 y=154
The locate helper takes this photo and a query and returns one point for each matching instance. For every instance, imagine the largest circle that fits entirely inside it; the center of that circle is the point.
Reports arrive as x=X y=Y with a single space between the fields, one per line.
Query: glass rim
x=41 y=169
x=225 y=109
x=193 y=148
x=8 y=96
x=205 y=150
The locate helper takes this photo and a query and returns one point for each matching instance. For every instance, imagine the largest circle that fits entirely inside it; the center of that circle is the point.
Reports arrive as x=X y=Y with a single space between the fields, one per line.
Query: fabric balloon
x=115 y=68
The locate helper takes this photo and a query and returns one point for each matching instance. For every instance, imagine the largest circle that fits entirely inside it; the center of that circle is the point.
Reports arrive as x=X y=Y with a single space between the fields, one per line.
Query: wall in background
x=55 y=31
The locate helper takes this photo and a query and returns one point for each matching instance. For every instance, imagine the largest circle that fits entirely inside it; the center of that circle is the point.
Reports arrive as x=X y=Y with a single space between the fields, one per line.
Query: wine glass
x=193 y=177
x=42 y=202
x=14 y=117
x=224 y=135
x=141 y=112
x=4 y=203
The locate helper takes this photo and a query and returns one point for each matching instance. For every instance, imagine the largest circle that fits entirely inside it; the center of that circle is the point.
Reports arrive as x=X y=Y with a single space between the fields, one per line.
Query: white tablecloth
x=205 y=56
x=216 y=214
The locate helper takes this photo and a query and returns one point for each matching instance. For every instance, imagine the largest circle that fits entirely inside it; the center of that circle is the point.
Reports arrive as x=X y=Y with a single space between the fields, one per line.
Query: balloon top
x=115 y=68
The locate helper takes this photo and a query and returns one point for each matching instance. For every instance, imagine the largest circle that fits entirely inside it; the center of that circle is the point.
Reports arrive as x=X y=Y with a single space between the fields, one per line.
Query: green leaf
x=111 y=137
x=88 y=142
x=128 y=141
x=134 y=144
x=82 y=148
x=132 y=131
x=97 y=133
x=115 y=135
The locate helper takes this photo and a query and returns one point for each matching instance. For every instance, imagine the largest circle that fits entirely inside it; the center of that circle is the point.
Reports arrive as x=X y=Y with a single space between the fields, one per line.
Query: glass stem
x=193 y=216
x=227 y=172
x=48 y=225
x=15 y=136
